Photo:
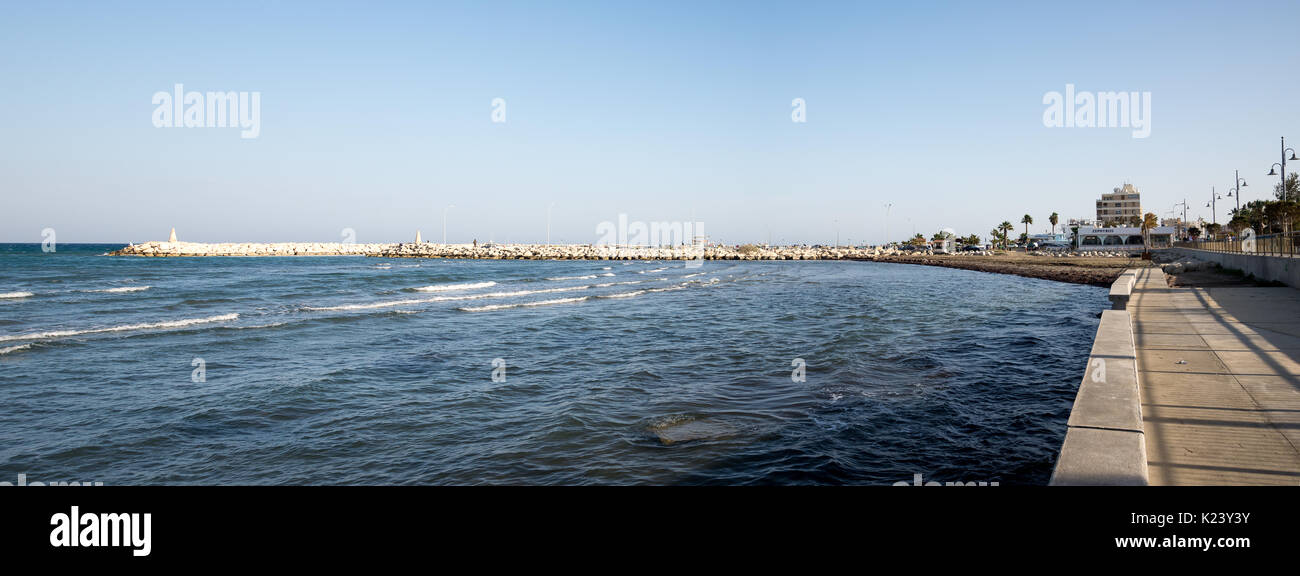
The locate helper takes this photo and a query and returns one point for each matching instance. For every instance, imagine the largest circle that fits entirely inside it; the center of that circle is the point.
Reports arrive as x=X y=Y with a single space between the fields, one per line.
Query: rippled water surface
x=348 y=370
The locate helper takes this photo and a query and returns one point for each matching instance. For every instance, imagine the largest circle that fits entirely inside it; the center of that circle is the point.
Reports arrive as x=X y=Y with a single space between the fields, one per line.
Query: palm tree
x=1149 y=222
x=1054 y=218
x=1005 y=227
x=1027 y=220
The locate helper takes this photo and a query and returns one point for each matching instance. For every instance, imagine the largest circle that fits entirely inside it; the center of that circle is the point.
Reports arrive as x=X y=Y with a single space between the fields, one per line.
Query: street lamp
x=887 y=208
x=1286 y=221
x=1212 y=205
x=1282 y=165
x=444 y=223
x=1238 y=184
x=548 y=223
x=1179 y=228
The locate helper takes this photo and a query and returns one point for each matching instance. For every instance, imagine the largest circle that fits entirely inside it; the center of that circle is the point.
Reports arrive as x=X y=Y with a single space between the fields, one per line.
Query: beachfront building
x=1120 y=207
x=1076 y=222
x=1121 y=238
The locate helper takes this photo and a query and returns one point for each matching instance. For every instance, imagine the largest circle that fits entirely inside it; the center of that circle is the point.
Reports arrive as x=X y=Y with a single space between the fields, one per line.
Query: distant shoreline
x=1091 y=270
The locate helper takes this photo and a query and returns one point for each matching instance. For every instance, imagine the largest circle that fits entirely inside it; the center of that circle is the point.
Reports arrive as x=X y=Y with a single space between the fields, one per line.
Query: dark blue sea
x=355 y=370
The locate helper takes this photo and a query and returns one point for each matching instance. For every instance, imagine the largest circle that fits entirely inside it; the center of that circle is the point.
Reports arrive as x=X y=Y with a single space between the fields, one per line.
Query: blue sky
x=375 y=116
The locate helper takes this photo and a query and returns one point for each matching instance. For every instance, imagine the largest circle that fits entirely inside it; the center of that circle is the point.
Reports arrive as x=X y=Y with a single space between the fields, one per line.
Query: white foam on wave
x=514 y=293
x=454 y=287
x=624 y=294
x=413 y=301
x=16 y=295
x=563 y=278
x=271 y=325
x=371 y=306
x=121 y=290
x=523 y=304
x=123 y=328
x=4 y=351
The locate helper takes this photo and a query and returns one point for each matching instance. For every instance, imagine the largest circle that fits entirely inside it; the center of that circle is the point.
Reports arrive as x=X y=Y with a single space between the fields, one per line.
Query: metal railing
x=1262 y=245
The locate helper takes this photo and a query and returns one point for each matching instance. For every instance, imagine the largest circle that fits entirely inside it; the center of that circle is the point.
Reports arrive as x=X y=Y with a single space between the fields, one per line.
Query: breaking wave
x=123 y=328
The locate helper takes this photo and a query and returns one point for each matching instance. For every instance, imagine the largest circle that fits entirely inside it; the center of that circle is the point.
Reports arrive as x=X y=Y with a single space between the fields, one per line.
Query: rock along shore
x=1091 y=269
x=491 y=251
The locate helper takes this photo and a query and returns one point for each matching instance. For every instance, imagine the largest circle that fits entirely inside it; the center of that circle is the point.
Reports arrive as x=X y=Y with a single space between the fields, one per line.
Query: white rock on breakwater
x=496 y=251
x=251 y=249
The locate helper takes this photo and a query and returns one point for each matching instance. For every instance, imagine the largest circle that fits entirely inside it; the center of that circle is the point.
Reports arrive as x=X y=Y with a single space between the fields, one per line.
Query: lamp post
x=444 y=222
x=1272 y=172
x=548 y=223
x=1285 y=220
x=1212 y=205
x=1238 y=183
x=1182 y=222
x=887 y=208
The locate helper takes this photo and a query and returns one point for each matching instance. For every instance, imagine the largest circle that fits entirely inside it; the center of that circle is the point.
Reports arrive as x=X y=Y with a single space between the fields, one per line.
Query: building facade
x=1122 y=238
x=1120 y=207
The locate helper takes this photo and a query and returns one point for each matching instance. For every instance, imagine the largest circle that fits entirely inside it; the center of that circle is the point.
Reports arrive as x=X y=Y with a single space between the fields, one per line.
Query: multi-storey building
x=1120 y=207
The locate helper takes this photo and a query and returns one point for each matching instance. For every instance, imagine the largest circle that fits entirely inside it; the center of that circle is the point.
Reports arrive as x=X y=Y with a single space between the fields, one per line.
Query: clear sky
x=376 y=115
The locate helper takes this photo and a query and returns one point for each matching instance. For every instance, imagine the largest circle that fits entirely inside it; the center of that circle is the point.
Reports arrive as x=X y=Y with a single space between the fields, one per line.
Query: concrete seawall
x=1273 y=268
x=1105 y=442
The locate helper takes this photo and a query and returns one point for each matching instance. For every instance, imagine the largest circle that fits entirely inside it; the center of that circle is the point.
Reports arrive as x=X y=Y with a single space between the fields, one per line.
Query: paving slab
x=1219 y=377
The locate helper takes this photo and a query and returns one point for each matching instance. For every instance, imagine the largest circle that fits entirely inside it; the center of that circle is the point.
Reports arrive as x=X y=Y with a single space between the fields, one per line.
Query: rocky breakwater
x=499 y=251
x=599 y=252
x=180 y=249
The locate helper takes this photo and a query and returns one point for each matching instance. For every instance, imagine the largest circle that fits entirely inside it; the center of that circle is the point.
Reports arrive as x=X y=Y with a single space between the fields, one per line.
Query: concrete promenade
x=1219 y=376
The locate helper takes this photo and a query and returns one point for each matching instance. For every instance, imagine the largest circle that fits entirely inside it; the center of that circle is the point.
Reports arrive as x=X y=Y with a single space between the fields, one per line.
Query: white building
x=1121 y=238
